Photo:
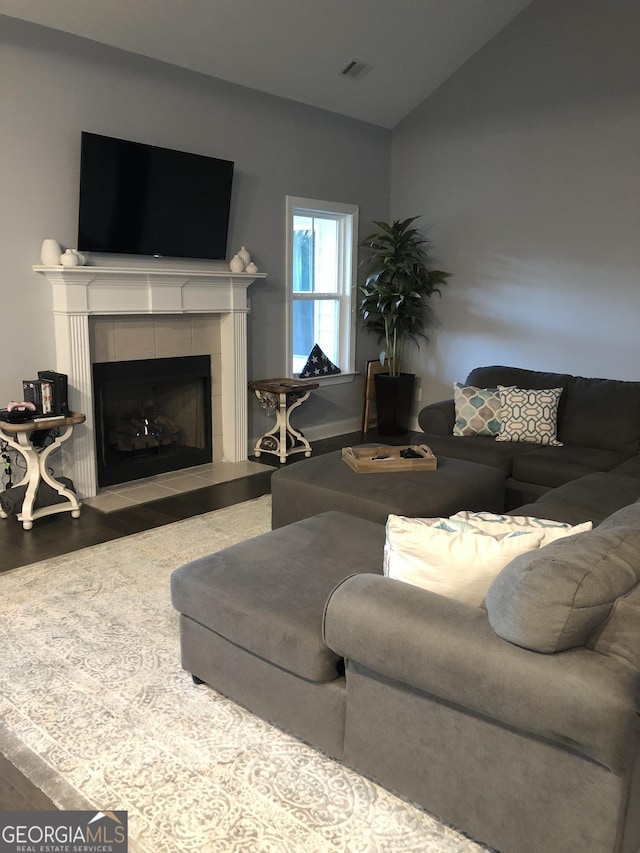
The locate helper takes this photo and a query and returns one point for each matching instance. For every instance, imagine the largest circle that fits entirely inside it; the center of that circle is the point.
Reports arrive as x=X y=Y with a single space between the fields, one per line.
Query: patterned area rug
x=98 y=713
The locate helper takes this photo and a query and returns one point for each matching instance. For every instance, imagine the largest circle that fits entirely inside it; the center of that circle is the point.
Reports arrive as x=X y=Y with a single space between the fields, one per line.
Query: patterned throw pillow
x=489 y=522
x=477 y=410
x=529 y=415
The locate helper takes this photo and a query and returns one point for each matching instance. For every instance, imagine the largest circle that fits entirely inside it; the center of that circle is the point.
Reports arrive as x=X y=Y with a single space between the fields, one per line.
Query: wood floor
x=61 y=534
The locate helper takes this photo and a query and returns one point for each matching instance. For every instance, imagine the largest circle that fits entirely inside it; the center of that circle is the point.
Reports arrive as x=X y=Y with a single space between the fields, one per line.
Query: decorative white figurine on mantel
x=53 y=255
x=50 y=253
x=69 y=259
x=236 y=264
x=241 y=262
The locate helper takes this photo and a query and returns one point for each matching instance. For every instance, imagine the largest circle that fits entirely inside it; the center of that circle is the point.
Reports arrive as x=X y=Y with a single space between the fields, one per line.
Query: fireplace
x=161 y=289
x=151 y=416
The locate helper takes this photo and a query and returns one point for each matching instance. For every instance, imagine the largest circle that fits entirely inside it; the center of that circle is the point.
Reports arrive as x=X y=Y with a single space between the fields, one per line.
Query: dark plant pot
x=394 y=399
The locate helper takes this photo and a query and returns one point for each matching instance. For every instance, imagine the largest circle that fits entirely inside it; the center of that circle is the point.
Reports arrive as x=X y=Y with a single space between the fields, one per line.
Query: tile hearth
x=155 y=488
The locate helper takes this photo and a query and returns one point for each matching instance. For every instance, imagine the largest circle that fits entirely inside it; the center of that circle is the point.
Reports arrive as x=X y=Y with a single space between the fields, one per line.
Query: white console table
x=282 y=396
x=18 y=436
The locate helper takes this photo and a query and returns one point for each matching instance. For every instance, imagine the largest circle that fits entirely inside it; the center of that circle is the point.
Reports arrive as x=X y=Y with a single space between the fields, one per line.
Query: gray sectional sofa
x=517 y=722
x=598 y=425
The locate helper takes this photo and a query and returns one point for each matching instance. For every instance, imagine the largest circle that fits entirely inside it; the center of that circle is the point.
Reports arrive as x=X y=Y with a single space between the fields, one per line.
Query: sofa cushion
x=594 y=497
x=630 y=468
x=453 y=559
x=529 y=415
x=476 y=448
x=602 y=413
x=491 y=377
x=628 y=516
x=267 y=594
x=553 y=599
x=559 y=512
x=554 y=466
x=477 y=410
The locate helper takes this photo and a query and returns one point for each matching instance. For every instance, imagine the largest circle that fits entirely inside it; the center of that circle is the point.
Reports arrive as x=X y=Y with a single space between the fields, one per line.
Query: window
x=321 y=278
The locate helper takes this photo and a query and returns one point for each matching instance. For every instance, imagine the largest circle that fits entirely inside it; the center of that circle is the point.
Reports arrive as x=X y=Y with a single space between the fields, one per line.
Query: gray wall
x=526 y=163
x=53 y=86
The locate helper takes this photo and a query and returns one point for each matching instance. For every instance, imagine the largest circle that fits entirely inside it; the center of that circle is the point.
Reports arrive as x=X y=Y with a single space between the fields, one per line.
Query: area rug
x=98 y=713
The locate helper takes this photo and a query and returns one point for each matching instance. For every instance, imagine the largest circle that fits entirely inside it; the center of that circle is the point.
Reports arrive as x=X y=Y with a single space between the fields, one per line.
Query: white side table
x=282 y=396
x=18 y=436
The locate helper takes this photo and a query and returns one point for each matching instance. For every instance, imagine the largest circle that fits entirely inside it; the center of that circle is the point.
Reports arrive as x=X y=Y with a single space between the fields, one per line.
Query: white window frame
x=347 y=279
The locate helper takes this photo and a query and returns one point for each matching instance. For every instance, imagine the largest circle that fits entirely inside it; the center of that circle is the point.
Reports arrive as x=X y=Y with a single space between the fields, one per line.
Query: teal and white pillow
x=529 y=415
x=453 y=558
x=477 y=410
x=460 y=556
x=494 y=525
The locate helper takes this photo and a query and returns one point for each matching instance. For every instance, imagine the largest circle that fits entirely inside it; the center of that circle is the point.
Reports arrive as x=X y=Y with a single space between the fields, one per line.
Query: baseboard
x=318 y=432
x=330 y=430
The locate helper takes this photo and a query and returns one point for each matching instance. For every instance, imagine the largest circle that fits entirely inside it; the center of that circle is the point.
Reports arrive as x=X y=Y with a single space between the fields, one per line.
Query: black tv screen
x=138 y=199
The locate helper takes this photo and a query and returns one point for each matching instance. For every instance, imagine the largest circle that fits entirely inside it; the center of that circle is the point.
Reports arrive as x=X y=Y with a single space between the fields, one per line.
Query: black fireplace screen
x=151 y=416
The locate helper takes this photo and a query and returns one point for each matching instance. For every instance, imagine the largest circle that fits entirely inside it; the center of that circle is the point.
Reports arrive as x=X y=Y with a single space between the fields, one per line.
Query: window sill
x=335 y=379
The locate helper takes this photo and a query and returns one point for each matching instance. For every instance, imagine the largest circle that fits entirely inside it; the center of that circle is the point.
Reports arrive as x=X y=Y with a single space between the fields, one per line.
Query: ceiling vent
x=354 y=69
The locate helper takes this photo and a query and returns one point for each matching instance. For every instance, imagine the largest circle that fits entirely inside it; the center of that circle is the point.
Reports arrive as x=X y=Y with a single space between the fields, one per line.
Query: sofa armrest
x=442 y=647
x=438 y=418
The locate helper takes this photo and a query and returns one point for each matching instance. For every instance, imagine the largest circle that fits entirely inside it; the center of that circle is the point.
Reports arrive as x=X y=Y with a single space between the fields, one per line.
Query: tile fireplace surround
x=92 y=305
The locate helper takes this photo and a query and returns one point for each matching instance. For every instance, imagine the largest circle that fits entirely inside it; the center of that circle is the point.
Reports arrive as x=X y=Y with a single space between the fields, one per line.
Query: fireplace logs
x=144 y=429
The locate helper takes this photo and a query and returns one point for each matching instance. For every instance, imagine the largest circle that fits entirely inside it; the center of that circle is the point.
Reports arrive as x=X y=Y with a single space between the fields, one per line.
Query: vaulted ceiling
x=298 y=49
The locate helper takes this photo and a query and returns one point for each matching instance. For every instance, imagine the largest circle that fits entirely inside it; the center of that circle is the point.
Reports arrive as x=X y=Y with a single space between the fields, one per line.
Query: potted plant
x=395 y=306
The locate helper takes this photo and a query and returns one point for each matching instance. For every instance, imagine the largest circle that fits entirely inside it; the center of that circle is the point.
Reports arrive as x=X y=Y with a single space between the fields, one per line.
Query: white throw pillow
x=489 y=522
x=459 y=563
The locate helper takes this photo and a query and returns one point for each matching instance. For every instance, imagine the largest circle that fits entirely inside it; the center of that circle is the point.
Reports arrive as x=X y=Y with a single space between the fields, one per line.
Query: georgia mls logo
x=63 y=832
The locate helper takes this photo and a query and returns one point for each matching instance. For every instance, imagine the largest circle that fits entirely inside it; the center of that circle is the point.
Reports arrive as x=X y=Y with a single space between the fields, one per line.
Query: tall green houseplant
x=400 y=281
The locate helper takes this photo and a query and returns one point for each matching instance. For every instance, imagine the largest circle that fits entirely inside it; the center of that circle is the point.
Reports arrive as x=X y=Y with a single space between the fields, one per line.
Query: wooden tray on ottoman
x=374 y=460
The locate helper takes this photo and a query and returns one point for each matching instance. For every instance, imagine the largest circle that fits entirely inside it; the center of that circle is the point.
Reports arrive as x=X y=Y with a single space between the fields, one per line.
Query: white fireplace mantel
x=84 y=291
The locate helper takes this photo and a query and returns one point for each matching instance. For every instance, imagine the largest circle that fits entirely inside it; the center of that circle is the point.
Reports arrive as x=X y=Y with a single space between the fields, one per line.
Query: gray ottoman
x=327 y=483
x=251 y=621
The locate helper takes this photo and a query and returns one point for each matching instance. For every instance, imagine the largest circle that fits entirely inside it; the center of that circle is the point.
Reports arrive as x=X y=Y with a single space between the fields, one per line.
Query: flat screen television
x=138 y=199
